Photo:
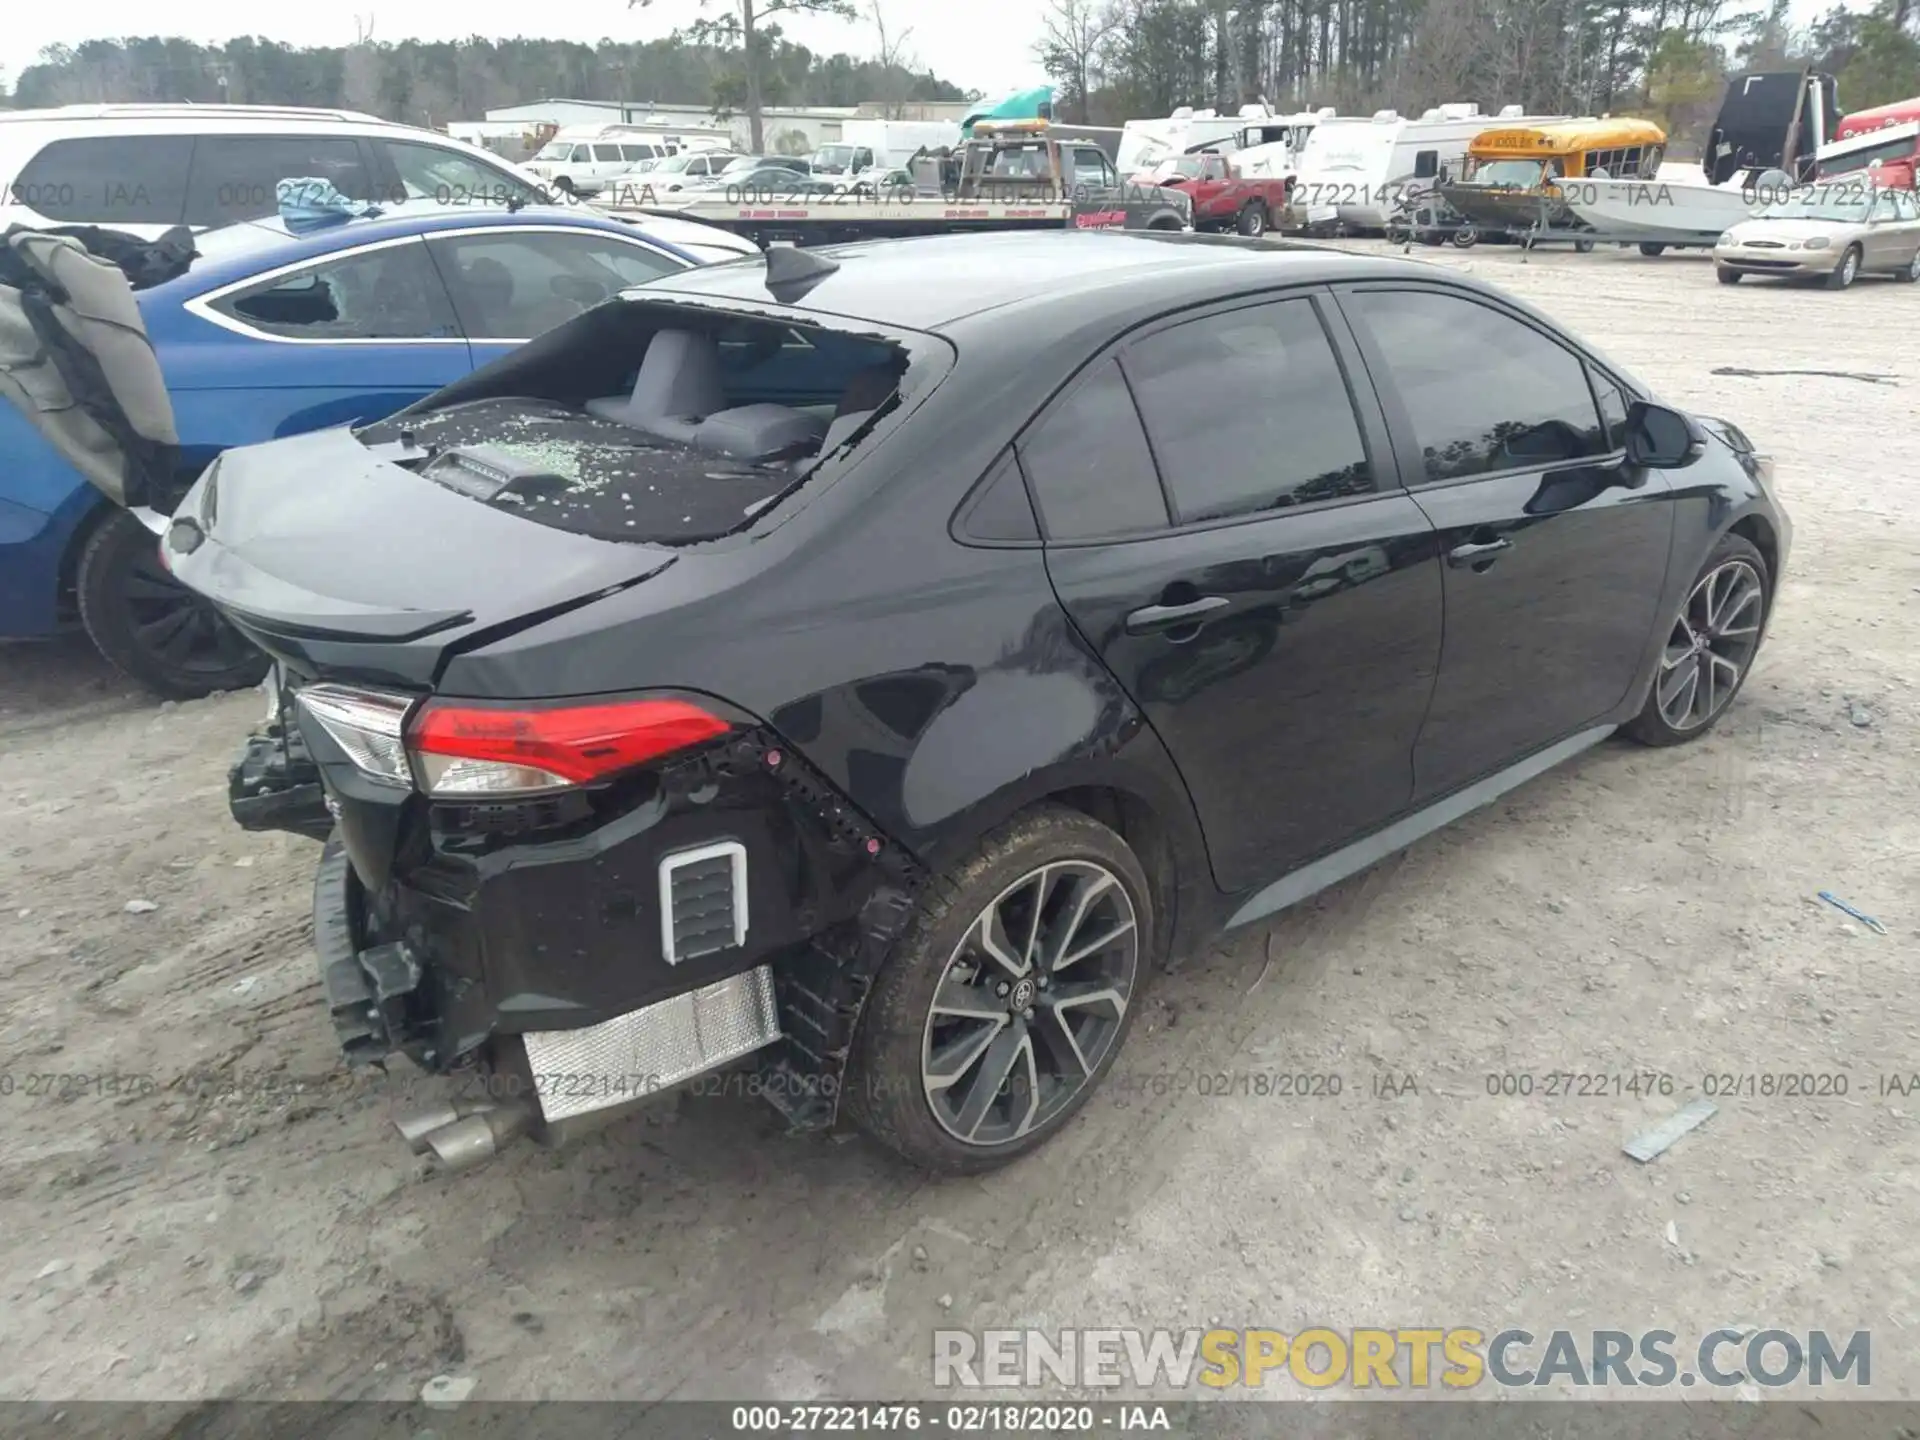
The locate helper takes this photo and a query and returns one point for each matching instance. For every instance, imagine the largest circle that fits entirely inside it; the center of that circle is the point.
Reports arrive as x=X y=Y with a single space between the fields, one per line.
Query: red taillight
x=464 y=749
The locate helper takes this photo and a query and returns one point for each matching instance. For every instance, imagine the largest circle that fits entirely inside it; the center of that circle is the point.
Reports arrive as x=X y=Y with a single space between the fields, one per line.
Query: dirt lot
x=251 y=1226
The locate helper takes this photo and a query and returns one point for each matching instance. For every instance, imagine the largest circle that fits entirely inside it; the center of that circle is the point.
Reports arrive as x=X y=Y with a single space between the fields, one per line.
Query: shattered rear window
x=647 y=424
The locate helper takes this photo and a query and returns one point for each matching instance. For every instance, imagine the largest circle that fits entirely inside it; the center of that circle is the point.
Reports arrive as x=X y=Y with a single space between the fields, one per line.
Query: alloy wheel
x=1913 y=267
x=1712 y=644
x=1031 y=1002
x=175 y=626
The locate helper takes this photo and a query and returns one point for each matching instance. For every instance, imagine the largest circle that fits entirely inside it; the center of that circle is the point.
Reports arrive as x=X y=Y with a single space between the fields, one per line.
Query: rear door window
x=1248 y=412
x=1089 y=465
x=108 y=180
x=451 y=177
x=515 y=286
x=236 y=177
x=607 y=154
x=392 y=293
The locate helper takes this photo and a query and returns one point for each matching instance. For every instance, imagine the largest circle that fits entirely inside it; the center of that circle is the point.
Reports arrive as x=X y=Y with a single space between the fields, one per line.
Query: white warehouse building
x=789 y=130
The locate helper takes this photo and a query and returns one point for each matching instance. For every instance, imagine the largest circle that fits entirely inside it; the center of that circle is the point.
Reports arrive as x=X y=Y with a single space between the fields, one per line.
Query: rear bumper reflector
x=653 y=1048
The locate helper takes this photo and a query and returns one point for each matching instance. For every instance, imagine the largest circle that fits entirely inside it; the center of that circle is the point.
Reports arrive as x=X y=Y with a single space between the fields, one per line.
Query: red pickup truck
x=1221 y=199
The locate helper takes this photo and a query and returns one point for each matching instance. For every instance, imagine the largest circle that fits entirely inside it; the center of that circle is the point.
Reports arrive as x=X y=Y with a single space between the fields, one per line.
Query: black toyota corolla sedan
x=851 y=674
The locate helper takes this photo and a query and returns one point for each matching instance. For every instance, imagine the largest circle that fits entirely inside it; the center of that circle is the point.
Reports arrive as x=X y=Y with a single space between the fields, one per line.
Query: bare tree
x=740 y=25
x=895 y=62
x=362 y=69
x=1074 y=30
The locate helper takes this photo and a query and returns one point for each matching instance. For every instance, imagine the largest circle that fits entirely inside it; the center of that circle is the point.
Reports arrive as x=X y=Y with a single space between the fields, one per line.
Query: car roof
x=233 y=252
x=928 y=283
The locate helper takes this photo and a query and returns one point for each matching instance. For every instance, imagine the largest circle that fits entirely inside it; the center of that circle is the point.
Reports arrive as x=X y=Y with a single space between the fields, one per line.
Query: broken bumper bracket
x=367 y=990
x=275 y=785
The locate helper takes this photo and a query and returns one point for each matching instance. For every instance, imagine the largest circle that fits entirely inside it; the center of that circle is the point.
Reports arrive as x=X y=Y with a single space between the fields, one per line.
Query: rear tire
x=918 y=1076
x=1847 y=271
x=1711 y=646
x=1725 y=275
x=1252 y=221
x=1650 y=248
x=149 y=626
x=1583 y=247
x=1910 y=272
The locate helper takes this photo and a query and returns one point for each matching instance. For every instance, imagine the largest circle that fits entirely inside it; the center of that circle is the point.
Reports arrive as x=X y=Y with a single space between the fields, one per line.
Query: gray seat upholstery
x=865 y=393
x=677 y=387
x=678 y=396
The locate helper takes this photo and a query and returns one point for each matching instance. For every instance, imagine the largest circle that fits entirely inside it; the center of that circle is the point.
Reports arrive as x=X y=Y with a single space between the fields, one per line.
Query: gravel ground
x=1635 y=911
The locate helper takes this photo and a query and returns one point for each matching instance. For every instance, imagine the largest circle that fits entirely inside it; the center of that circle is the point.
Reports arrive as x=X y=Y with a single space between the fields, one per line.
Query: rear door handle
x=1151 y=619
x=1483 y=552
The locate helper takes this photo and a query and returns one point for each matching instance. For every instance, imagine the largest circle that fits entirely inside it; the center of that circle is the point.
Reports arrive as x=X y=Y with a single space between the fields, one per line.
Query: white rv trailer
x=1355 y=171
x=1270 y=148
x=1144 y=143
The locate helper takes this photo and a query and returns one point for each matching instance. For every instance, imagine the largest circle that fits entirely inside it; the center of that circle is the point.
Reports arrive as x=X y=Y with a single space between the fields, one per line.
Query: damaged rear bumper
x=570 y=1019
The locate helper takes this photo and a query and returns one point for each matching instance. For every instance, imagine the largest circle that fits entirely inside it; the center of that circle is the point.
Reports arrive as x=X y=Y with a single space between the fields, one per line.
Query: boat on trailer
x=1771 y=126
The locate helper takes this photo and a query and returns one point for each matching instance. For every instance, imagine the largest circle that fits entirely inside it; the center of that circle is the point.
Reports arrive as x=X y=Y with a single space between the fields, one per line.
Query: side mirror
x=1661 y=439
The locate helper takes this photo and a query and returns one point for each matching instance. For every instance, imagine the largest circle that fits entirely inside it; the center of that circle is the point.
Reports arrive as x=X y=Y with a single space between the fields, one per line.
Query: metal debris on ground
x=1846 y=909
x=1650 y=1144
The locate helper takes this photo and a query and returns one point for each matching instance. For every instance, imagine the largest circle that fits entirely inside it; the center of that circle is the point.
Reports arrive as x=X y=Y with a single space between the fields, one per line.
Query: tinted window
x=448 y=177
x=606 y=152
x=1613 y=410
x=1248 y=411
x=388 y=294
x=514 y=286
x=1088 y=461
x=235 y=176
x=1426 y=164
x=1483 y=391
x=1000 y=510
x=141 y=180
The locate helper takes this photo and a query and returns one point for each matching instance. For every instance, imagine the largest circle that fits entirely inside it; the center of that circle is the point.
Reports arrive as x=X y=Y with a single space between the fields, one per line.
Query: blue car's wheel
x=150 y=626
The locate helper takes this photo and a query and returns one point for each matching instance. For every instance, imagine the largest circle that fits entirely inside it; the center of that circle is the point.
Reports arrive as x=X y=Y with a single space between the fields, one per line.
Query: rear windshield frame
x=930 y=358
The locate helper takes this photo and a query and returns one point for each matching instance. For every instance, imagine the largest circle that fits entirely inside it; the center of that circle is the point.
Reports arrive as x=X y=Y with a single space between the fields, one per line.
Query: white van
x=1355 y=171
x=581 y=159
x=882 y=144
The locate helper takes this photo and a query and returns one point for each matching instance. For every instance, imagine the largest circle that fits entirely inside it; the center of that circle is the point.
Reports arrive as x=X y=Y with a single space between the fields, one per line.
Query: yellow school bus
x=1507 y=181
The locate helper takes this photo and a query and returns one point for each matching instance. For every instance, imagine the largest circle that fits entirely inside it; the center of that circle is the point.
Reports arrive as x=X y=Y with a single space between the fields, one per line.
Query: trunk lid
x=337 y=560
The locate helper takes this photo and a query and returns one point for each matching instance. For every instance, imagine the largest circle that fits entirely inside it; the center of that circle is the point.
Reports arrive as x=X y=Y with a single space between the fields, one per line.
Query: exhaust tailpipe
x=479 y=1136
x=414 y=1129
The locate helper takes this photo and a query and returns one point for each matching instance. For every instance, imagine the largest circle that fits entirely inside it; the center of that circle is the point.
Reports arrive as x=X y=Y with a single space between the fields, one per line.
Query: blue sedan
x=269 y=333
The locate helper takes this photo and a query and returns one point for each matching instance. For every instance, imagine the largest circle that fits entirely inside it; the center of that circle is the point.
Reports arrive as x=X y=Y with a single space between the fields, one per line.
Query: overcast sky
x=980 y=44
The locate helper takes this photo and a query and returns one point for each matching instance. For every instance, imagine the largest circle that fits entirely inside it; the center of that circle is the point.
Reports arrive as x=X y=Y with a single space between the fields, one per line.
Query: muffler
x=478 y=1136
x=414 y=1129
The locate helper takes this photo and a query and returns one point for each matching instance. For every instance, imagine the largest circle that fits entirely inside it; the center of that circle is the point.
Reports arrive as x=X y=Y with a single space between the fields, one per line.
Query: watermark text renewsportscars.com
x=1399 y=1358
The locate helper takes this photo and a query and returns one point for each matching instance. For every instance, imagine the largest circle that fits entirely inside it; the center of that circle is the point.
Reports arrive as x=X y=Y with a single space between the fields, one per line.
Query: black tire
x=1583 y=247
x=1909 y=272
x=1725 y=275
x=885 y=1092
x=1466 y=237
x=1653 y=725
x=1847 y=271
x=150 y=627
x=1650 y=248
x=1252 y=221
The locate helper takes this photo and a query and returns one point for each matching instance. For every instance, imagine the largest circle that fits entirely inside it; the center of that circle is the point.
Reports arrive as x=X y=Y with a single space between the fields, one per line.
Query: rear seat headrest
x=679 y=378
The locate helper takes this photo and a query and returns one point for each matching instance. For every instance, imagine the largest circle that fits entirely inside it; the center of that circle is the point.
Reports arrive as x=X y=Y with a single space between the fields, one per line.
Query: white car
x=148 y=168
